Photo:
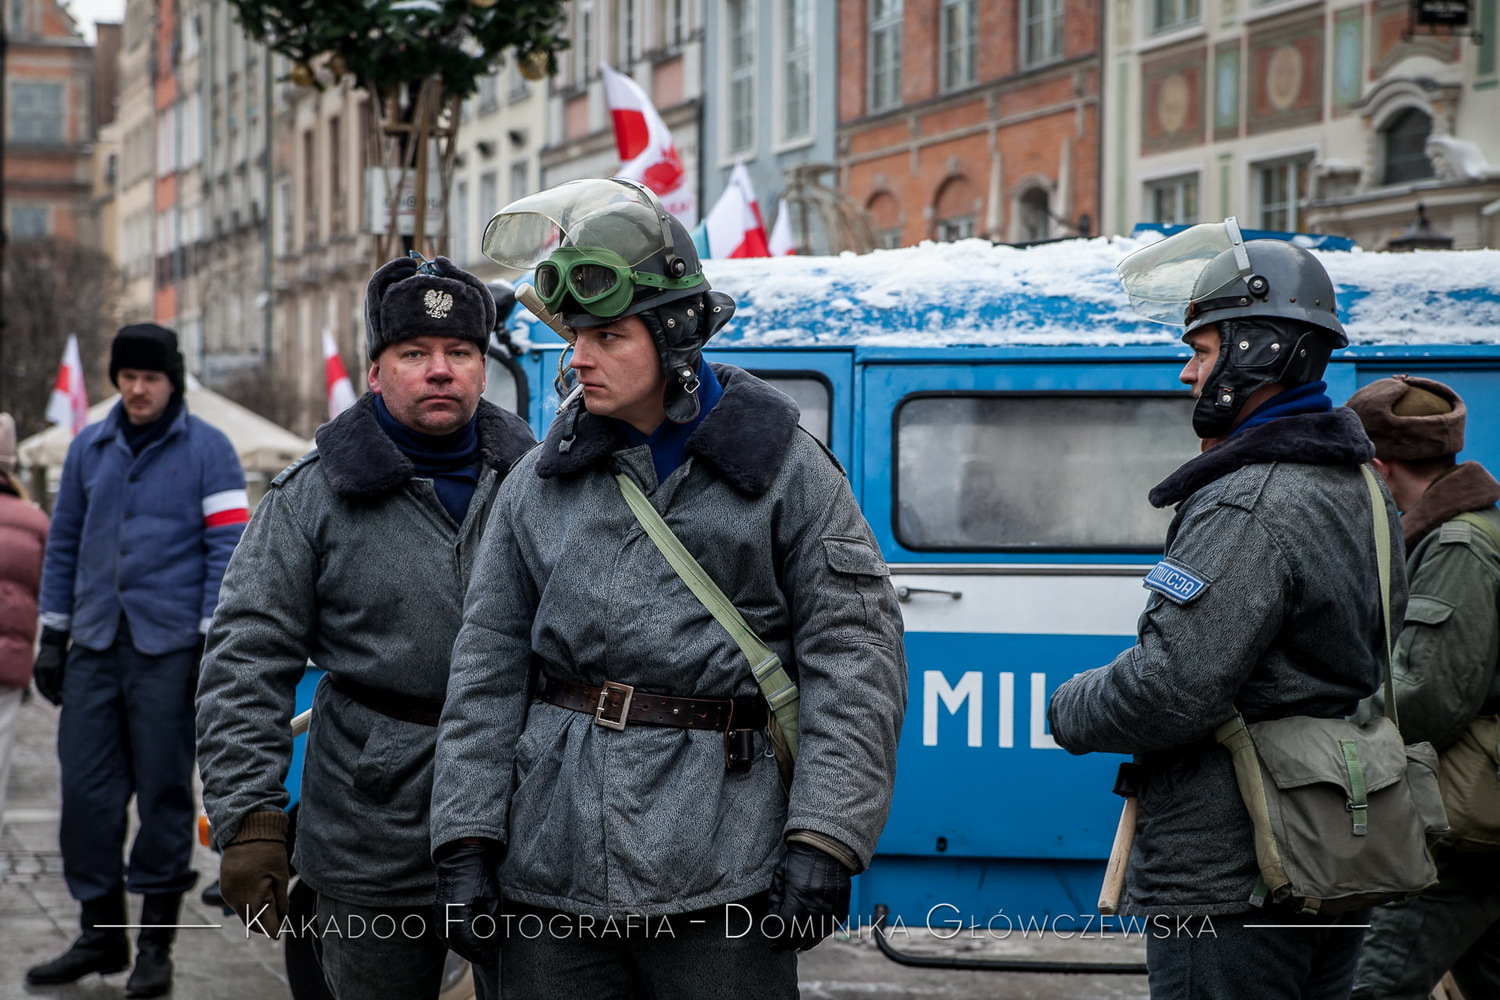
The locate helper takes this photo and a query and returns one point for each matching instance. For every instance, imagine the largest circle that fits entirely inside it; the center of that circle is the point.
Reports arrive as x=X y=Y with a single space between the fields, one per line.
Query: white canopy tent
x=264 y=448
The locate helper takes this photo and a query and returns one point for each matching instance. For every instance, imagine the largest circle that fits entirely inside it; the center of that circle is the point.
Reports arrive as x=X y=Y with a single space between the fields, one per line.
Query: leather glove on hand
x=466 y=891
x=50 y=658
x=810 y=893
x=253 y=873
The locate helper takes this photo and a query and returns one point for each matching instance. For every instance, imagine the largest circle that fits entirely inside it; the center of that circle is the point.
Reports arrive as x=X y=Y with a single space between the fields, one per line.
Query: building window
x=741 y=35
x=1041 y=32
x=310 y=195
x=796 y=71
x=1173 y=201
x=672 y=22
x=489 y=195
x=1035 y=215
x=337 y=200
x=520 y=179
x=626 y=38
x=28 y=222
x=960 y=228
x=1403 y=143
x=960 y=42
x=1279 y=188
x=1169 y=15
x=36 y=112
x=885 y=55
x=460 y=216
x=489 y=93
x=587 y=54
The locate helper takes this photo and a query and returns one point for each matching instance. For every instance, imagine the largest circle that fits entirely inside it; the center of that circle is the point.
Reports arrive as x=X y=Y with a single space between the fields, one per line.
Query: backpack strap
x=1472 y=517
x=1383 y=560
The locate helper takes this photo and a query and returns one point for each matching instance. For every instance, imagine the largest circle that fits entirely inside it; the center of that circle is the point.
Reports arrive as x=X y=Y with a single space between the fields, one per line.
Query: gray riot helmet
x=1272 y=301
x=605 y=249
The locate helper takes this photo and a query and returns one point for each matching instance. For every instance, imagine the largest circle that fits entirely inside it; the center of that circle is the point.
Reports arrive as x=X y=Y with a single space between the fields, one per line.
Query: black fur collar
x=362 y=461
x=744 y=437
x=1332 y=438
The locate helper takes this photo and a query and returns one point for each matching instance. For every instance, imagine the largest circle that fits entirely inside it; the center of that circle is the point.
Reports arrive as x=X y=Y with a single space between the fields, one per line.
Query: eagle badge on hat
x=438 y=303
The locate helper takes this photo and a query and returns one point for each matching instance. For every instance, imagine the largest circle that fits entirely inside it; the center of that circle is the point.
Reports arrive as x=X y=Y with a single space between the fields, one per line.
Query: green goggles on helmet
x=599 y=280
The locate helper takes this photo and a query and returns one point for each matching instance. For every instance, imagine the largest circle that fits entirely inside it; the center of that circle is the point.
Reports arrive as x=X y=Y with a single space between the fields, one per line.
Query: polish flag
x=735 y=228
x=340 y=389
x=647 y=153
x=69 y=404
x=781 y=243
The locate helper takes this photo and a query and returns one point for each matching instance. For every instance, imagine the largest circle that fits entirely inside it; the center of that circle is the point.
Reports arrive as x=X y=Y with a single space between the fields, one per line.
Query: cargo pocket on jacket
x=858 y=561
x=1424 y=617
x=388 y=761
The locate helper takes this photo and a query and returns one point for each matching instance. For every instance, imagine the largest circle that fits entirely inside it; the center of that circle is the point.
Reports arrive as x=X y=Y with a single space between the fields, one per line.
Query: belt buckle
x=605 y=689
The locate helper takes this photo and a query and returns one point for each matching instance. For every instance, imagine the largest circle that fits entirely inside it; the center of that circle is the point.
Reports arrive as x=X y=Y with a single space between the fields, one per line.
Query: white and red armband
x=226 y=507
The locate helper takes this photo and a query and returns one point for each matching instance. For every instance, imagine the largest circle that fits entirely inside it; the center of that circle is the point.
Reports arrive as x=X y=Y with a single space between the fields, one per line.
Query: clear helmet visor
x=1160 y=279
x=586 y=214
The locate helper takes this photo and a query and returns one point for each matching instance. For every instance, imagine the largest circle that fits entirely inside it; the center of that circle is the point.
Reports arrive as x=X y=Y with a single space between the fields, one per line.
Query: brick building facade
x=970 y=117
x=50 y=118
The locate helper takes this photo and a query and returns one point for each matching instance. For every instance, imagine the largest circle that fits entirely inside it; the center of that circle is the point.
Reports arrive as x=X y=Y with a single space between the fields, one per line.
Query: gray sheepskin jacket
x=1269 y=602
x=647 y=820
x=352 y=562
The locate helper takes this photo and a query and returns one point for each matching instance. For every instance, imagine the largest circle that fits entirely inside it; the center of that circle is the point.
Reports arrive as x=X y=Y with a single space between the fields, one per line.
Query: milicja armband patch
x=1176 y=582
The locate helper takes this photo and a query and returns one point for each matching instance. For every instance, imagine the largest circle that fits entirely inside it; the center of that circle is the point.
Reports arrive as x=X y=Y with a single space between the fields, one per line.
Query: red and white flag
x=647 y=153
x=781 y=243
x=735 y=228
x=69 y=404
x=340 y=389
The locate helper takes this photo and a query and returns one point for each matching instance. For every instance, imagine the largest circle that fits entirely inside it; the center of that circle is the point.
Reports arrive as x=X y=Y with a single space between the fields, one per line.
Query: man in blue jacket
x=151 y=505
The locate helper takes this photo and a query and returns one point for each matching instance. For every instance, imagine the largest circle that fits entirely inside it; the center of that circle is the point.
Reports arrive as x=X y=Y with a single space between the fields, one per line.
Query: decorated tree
x=418 y=60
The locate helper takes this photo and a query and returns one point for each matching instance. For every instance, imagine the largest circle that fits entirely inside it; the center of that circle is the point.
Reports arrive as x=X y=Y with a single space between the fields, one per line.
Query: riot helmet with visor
x=1271 y=302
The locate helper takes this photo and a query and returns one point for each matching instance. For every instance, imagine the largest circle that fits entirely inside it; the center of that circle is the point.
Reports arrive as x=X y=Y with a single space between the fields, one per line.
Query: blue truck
x=1002 y=414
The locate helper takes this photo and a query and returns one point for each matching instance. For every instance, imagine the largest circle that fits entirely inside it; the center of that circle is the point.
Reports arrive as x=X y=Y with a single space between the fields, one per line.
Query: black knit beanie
x=147 y=347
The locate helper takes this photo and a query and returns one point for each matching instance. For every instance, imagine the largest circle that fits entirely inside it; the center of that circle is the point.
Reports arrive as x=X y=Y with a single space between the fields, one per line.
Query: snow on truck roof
x=973 y=293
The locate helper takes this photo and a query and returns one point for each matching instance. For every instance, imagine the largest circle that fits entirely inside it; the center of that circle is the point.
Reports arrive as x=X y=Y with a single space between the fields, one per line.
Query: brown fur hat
x=1411 y=419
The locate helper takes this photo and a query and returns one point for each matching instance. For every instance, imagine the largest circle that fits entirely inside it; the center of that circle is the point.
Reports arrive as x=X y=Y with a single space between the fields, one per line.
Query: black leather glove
x=810 y=893
x=51 y=656
x=468 y=898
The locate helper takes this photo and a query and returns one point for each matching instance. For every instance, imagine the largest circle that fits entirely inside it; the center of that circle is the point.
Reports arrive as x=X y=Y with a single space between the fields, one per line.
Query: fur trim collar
x=362 y=461
x=1332 y=438
x=1467 y=487
x=745 y=437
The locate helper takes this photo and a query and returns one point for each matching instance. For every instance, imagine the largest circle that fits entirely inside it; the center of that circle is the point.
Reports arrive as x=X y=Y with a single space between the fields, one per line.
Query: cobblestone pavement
x=218 y=962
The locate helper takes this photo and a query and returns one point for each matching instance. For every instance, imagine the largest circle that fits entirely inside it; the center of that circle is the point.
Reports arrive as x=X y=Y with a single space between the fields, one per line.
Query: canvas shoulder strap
x=776 y=685
x=1383 y=559
x=1474 y=518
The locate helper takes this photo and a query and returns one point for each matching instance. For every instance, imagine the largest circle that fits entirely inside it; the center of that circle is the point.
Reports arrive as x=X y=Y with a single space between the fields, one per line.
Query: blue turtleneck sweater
x=669 y=441
x=451 y=461
x=1310 y=397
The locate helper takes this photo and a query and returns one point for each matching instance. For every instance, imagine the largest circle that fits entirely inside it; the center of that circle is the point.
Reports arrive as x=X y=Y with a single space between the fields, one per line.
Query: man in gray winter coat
x=357 y=559
x=601 y=765
x=1267 y=600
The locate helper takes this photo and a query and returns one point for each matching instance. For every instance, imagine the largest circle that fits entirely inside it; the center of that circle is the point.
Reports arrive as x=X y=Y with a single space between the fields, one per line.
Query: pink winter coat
x=23 y=540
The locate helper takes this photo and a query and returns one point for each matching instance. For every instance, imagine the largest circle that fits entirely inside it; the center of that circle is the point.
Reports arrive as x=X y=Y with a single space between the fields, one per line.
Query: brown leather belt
x=407 y=708
x=614 y=705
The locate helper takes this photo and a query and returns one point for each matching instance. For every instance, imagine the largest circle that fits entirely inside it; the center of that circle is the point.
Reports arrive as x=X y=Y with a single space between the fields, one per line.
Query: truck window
x=812 y=395
x=500 y=385
x=1014 y=471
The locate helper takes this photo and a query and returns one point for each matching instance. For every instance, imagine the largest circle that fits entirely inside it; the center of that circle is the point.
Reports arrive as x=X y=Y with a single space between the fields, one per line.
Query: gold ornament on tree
x=533 y=65
x=302 y=75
